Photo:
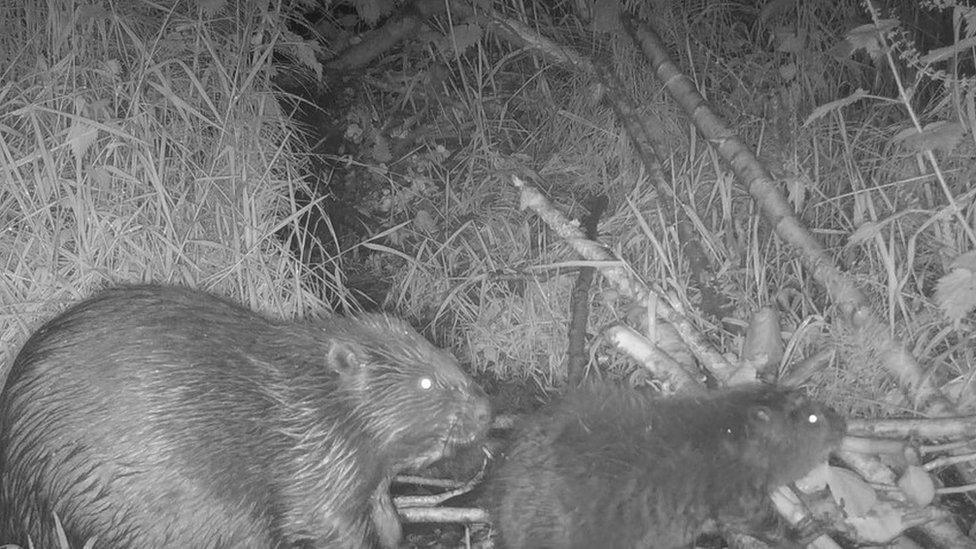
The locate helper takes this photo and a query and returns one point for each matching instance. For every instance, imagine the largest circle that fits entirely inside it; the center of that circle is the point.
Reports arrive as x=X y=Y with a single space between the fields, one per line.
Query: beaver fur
x=152 y=416
x=610 y=467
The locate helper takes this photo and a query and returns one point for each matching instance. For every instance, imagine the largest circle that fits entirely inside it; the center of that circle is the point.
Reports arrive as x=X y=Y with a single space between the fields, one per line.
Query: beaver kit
x=165 y=417
x=608 y=467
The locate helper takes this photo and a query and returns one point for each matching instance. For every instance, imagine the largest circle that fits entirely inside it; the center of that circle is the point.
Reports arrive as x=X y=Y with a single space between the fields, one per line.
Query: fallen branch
x=619 y=274
x=853 y=305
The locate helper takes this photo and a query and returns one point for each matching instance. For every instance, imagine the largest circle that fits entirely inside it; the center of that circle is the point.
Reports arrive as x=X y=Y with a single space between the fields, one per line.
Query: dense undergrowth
x=150 y=141
x=141 y=142
x=146 y=144
x=787 y=78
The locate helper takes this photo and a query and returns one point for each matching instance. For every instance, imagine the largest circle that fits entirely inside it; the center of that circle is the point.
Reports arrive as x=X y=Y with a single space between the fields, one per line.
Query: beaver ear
x=760 y=414
x=346 y=358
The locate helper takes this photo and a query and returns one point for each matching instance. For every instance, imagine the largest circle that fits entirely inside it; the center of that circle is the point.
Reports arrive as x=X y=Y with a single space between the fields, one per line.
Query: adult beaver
x=609 y=467
x=153 y=416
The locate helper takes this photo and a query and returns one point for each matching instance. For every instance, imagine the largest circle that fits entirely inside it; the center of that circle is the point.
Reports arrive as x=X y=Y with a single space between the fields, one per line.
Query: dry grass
x=140 y=146
x=871 y=200
x=146 y=145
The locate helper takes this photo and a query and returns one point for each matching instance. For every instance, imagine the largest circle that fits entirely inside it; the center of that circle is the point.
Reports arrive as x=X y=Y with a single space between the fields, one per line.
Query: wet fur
x=150 y=416
x=608 y=467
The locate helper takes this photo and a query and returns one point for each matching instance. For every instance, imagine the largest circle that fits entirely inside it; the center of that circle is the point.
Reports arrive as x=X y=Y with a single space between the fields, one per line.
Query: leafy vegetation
x=152 y=141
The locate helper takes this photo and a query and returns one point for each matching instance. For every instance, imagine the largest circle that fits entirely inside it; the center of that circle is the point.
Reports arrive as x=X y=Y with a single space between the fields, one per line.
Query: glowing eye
x=813 y=418
x=426 y=383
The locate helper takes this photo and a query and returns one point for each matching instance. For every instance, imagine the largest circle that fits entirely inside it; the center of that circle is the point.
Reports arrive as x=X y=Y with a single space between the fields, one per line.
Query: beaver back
x=608 y=467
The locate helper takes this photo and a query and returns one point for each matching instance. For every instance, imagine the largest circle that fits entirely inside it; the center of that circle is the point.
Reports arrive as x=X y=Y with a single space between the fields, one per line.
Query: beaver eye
x=426 y=383
x=813 y=419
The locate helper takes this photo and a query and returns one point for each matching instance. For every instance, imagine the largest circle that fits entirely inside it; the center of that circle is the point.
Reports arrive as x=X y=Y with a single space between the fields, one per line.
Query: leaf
x=605 y=17
x=791 y=43
x=837 y=104
x=860 y=207
x=305 y=53
x=961 y=47
x=763 y=345
x=381 y=149
x=354 y=132
x=81 y=135
x=867 y=231
x=85 y=14
x=917 y=485
x=815 y=480
x=489 y=353
x=666 y=337
x=775 y=8
x=424 y=222
x=965 y=261
x=941 y=136
x=101 y=177
x=884 y=523
x=796 y=190
x=866 y=36
x=787 y=71
x=370 y=11
x=969 y=16
x=840 y=51
x=302 y=51
x=464 y=36
x=211 y=7
x=955 y=293
x=849 y=491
